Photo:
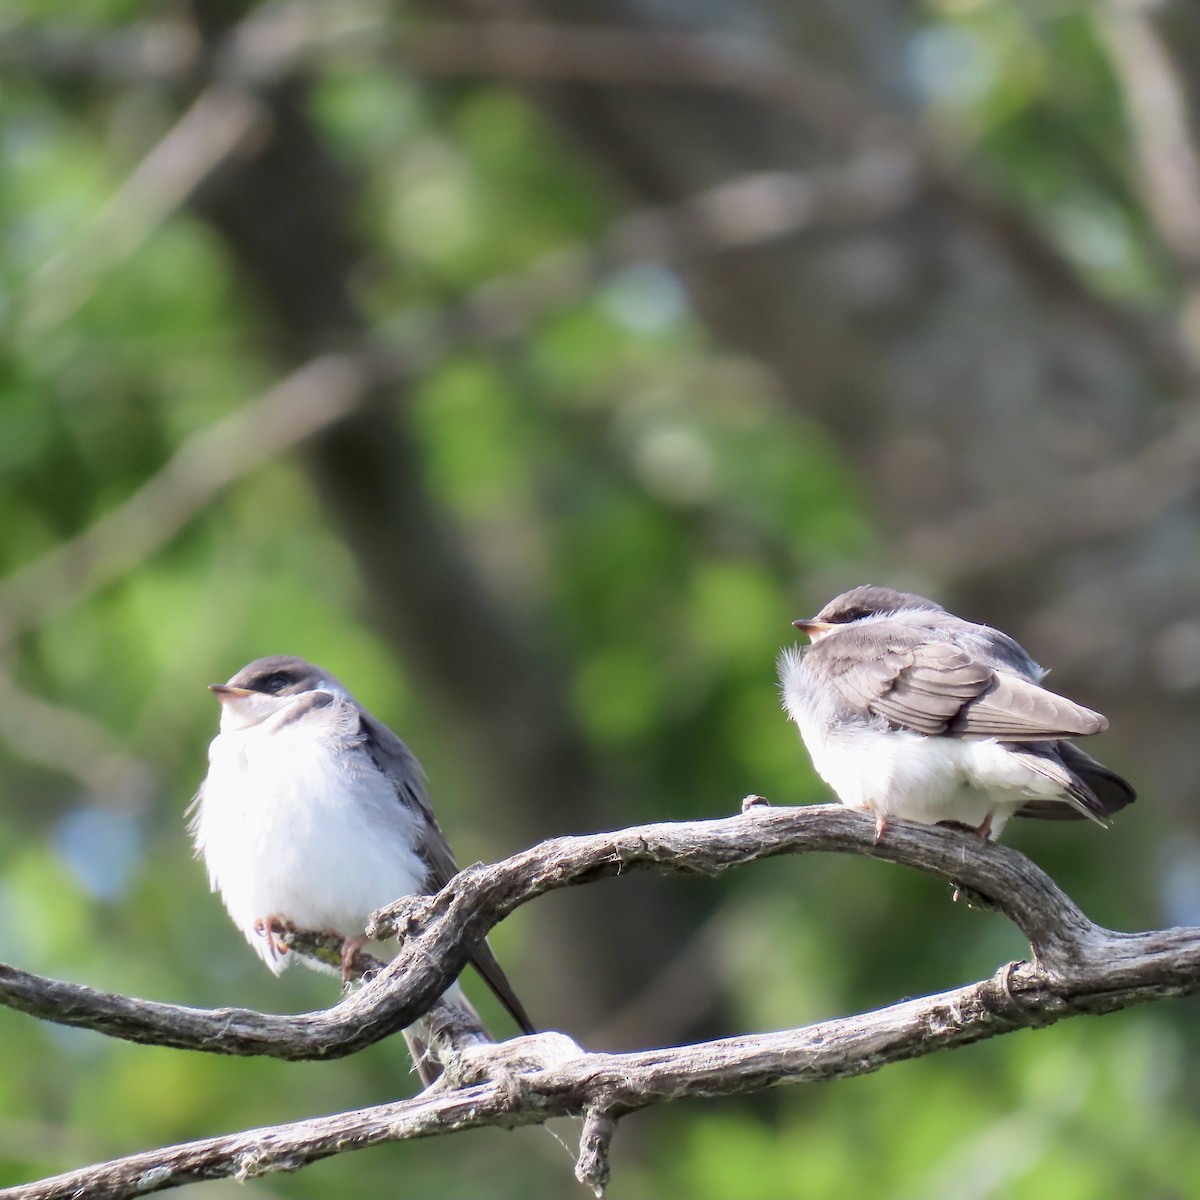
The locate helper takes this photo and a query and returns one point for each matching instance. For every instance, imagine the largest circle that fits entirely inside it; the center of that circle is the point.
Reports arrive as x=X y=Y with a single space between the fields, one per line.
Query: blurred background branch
x=1162 y=139
x=309 y=399
x=215 y=127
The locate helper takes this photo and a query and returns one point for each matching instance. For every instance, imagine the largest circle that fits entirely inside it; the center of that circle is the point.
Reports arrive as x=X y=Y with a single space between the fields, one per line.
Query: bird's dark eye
x=853 y=614
x=276 y=683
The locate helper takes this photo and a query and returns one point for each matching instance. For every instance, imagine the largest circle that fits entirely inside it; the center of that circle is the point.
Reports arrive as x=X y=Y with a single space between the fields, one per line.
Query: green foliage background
x=660 y=507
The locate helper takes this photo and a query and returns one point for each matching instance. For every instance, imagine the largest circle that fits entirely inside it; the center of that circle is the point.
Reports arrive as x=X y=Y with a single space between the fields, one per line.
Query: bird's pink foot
x=273 y=928
x=350 y=947
x=984 y=828
x=881 y=822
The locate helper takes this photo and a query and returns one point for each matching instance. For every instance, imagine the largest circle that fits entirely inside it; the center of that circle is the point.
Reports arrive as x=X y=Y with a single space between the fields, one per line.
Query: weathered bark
x=1077 y=968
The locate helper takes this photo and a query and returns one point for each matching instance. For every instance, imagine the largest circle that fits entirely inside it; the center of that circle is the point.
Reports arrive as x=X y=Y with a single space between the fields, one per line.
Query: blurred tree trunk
x=286 y=212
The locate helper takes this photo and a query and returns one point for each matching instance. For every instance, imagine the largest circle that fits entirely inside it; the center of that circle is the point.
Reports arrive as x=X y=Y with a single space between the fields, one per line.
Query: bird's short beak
x=225 y=692
x=813 y=628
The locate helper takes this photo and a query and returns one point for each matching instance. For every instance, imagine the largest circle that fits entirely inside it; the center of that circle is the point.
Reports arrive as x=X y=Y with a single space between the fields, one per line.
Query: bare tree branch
x=220 y=122
x=737 y=212
x=274 y=42
x=65 y=739
x=1017 y=997
x=1078 y=968
x=438 y=931
x=897 y=164
x=309 y=399
x=1115 y=498
x=1161 y=135
x=301 y=36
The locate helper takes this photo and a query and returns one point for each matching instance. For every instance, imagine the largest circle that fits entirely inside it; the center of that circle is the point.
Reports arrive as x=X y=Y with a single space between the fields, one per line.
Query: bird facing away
x=911 y=712
x=314 y=814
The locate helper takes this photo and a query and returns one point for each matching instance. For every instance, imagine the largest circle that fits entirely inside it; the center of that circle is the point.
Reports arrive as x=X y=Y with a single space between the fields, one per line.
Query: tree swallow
x=314 y=814
x=911 y=712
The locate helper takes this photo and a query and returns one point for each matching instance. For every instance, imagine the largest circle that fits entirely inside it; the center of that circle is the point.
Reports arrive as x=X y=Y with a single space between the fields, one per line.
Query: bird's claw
x=274 y=929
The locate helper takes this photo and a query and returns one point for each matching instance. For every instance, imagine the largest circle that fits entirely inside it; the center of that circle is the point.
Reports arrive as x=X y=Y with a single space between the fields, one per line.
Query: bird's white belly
x=289 y=828
x=898 y=773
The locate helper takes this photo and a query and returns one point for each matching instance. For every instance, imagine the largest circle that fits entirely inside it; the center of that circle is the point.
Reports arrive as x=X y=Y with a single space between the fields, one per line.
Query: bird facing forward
x=911 y=712
x=314 y=814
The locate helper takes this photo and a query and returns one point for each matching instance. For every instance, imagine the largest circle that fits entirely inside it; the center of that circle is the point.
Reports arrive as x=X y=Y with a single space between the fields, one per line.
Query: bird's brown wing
x=1016 y=710
x=393 y=757
x=937 y=688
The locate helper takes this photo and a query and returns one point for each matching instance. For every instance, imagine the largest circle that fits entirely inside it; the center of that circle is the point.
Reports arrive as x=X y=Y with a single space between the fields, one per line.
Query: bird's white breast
x=295 y=822
x=892 y=772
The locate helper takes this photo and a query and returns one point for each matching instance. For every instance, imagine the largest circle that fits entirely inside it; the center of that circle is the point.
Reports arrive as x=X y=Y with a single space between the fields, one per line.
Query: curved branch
x=613 y=1085
x=438 y=931
x=1078 y=967
x=1006 y=880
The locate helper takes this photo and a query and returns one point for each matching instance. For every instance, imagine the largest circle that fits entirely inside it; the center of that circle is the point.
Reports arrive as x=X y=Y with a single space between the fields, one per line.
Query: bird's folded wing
x=1015 y=710
x=937 y=688
x=393 y=756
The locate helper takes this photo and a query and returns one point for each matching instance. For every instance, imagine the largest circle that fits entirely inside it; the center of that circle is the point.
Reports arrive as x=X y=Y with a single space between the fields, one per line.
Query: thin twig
x=65 y=739
x=738 y=212
x=222 y=120
x=308 y=400
x=1112 y=499
x=1160 y=131
x=283 y=38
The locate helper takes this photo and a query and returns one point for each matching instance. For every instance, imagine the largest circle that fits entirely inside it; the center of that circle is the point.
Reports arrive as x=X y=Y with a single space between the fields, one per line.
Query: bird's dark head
x=247 y=697
x=276 y=675
x=867 y=600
